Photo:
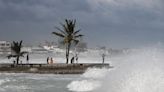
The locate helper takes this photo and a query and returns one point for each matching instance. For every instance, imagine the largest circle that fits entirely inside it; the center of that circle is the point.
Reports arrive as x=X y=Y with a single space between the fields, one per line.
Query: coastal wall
x=51 y=68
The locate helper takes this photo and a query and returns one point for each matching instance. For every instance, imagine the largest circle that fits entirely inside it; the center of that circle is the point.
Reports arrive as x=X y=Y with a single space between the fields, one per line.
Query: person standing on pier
x=72 y=60
x=47 y=60
x=103 y=57
x=27 y=58
x=51 y=61
x=76 y=56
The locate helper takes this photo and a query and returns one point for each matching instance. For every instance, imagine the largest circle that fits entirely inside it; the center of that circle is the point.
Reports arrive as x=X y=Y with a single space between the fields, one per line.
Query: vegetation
x=69 y=35
x=16 y=51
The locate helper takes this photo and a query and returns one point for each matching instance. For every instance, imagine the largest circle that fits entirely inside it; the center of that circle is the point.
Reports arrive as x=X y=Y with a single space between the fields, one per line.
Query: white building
x=5 y=47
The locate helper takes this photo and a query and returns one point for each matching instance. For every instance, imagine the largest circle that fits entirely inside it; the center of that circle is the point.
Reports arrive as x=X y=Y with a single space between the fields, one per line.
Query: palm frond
x=76 y=32
x=66 y=29
x=58 y=34
x=73 y=24
x=75 y=41
x=78 y=36
x=20 y=44
x=70 y=25
x=16 y=47
x=60 y=30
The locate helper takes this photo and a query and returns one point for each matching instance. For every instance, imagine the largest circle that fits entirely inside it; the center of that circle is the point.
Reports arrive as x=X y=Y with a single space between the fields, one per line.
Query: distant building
x=5 y=47
x=38 y=50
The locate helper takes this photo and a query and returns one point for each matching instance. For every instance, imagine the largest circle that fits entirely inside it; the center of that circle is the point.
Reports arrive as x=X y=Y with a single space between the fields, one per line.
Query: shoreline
x=57 y=68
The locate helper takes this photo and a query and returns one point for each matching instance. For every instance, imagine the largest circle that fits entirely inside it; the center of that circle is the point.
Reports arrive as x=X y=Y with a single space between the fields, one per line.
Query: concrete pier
x=58 y=68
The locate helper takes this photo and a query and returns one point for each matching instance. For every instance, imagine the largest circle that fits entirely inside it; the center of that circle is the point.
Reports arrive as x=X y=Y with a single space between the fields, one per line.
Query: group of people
x=50 y=60
x=74 y=58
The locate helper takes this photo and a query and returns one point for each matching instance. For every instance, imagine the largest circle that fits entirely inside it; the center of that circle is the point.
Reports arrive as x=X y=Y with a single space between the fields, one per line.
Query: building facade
x=5 y=47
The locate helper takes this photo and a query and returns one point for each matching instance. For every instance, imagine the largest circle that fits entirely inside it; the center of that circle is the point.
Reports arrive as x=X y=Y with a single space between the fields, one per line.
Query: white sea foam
x=17 y=88
x=95 y=73
x=83 y=85
x=91 y=80
x=145 y=81
x=2 y=81
x=140 y=71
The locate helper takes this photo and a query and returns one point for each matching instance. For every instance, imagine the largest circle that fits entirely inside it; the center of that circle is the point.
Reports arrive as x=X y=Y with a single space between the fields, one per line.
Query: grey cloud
x=39 y=9
x=117 y=18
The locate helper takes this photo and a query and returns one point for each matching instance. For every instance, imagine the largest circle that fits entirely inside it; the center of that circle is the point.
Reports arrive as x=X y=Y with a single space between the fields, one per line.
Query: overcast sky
x=111 y=23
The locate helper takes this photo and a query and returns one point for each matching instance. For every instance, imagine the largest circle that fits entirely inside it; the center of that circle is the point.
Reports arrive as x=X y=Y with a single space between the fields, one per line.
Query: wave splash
x=90 y=80
x=139 y=71
x=83 y=85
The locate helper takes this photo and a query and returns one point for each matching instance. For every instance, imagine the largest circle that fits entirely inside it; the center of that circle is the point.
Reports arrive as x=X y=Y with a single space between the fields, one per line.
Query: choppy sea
x=141 y=70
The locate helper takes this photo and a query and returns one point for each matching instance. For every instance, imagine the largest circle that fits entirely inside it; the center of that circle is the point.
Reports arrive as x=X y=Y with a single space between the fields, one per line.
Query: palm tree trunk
x=17 y=62
x=103 y=60
x=66 y=55
x=67 y=52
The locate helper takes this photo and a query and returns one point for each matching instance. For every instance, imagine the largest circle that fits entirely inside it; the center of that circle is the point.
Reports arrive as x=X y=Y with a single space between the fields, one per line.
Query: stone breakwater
x=60 y=68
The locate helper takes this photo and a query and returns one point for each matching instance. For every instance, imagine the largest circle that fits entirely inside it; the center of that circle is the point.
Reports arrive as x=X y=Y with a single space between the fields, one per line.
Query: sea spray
x=84 y=85
x=95 y=73
x=139 y=71
x=90 y=80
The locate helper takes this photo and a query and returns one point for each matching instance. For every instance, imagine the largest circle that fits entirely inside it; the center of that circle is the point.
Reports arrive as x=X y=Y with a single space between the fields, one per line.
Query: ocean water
x=24 y=82
x=141 y=70
x=35 y=82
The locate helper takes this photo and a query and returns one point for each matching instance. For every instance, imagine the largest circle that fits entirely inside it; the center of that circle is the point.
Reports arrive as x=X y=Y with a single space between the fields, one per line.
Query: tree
x=69 y=35
x=16 y=51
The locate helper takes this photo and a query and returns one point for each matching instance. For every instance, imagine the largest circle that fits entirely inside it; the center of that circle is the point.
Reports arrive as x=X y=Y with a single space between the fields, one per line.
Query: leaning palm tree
x=16 y=51
x=69 y=35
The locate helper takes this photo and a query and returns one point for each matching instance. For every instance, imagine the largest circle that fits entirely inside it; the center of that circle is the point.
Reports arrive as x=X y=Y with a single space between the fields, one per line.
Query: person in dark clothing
x=27 y=58
x=103 y=58
x=72 y=60
x=14 y=62
x=76 y=58
x=47 y=60
x=51 y=62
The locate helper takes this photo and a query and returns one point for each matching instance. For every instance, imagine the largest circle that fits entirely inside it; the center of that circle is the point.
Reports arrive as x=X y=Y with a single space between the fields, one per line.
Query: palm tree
x=16 y=51
x=69 y=35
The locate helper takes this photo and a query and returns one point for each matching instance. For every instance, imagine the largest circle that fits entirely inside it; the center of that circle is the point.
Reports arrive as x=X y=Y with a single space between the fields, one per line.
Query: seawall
x=59 y=68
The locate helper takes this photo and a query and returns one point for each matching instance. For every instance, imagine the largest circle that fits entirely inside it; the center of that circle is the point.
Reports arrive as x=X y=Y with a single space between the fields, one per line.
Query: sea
x=140 y=70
